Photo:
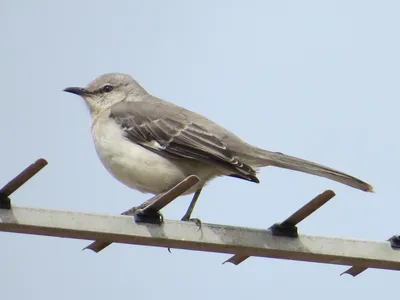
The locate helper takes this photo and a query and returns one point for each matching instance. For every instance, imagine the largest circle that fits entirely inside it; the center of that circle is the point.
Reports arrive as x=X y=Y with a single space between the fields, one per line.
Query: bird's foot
x=188 y=219
x=195 y=220
x=148 y=216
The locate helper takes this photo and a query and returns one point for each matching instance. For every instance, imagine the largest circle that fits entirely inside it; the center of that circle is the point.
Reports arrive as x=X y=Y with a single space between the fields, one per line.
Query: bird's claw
x=197 y=222
x=194 y=220
x=187 y=219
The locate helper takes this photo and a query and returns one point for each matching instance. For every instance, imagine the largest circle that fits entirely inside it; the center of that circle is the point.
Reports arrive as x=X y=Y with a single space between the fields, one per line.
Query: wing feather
x=181 y=139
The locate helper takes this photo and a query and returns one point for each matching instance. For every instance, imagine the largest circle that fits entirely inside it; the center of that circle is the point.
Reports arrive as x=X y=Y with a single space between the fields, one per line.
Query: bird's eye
x=107 y=88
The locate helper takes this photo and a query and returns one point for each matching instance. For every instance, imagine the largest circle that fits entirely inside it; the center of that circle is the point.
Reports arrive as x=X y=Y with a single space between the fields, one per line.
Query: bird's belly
x=139 y=168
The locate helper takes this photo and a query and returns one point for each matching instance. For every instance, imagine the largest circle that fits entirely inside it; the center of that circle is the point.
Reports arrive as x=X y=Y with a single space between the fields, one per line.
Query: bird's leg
x=189 y=211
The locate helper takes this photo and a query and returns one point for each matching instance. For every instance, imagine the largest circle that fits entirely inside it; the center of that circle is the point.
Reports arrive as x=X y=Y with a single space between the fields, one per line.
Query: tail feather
x=293 y=163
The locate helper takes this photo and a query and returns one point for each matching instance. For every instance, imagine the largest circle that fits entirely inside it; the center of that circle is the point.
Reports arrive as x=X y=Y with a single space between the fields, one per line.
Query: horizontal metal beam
x=357 y=270
x=211 y=237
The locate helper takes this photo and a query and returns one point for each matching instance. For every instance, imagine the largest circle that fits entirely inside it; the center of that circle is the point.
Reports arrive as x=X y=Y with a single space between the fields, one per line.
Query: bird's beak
x=77 y=90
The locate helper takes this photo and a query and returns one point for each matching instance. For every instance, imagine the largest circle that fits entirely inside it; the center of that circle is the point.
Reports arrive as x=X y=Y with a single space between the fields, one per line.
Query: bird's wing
x=176 y=137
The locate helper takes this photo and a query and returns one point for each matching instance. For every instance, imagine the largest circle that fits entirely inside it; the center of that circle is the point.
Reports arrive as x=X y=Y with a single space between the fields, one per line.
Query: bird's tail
x=281 y=160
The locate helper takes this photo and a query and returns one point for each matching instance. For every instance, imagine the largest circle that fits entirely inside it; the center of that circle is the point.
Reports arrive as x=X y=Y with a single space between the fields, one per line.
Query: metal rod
x=23 y=177
x=354 y=271
x=309 y=208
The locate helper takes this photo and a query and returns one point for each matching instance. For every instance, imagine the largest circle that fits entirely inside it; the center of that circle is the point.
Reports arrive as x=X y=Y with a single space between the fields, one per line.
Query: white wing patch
x=155 y=145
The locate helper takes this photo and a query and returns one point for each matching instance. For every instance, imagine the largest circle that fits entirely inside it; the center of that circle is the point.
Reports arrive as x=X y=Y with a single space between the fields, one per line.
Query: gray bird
x=151 y=145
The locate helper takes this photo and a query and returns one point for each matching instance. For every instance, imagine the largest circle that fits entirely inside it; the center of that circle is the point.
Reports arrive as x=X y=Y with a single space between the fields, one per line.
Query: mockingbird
x=151 y=145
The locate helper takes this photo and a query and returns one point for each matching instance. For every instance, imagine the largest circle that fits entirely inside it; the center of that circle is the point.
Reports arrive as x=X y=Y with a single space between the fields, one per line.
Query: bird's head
x=107 y=90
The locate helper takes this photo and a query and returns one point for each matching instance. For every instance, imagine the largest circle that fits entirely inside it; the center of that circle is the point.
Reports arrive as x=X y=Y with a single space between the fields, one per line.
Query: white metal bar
x=357 y=270
x=211 y=237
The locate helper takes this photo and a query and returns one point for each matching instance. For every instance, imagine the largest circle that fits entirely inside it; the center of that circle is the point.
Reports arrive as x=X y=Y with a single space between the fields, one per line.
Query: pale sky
x=313 y=79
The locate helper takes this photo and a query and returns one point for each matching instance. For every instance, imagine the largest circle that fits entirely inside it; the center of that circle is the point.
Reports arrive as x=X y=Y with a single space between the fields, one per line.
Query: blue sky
x=314 y=79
